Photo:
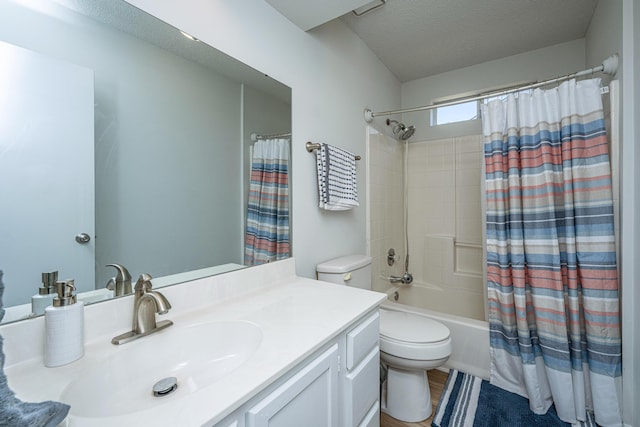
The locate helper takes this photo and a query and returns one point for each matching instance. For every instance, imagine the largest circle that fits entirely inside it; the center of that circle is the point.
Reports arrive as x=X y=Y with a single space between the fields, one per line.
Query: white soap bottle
x=45 y=295
x=64 y=327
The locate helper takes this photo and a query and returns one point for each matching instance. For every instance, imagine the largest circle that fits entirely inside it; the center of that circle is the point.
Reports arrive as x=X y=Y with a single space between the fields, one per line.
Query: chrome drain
x=165 y=386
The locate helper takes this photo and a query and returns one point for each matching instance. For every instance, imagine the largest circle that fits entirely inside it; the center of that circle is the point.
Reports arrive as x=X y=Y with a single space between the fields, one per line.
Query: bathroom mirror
x=139 y=149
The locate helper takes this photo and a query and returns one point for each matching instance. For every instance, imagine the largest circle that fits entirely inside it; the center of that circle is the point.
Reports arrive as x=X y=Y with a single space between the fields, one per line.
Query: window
x=470 y=110
x=455 y=113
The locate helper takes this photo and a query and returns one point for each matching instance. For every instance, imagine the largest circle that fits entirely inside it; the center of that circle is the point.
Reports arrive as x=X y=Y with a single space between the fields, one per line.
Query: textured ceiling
x=420 y=38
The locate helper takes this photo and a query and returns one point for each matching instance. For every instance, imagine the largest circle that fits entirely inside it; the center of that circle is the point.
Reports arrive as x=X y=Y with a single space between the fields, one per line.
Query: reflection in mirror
x=122 y=142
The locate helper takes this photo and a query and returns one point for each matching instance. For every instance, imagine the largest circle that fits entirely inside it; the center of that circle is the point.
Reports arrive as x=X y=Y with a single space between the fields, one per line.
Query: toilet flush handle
x=347 y=277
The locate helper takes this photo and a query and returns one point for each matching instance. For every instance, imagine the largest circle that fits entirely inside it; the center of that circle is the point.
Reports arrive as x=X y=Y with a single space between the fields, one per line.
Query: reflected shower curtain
x=267 y=232
x=551 y=265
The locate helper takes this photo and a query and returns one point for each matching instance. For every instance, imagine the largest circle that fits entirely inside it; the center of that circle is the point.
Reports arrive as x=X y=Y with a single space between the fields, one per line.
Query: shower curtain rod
x=255 y=136
x=609 y=66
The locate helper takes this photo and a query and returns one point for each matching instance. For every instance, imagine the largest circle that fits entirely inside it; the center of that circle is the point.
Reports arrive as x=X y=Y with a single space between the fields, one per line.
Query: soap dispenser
x=45 y=295
x=64 y=324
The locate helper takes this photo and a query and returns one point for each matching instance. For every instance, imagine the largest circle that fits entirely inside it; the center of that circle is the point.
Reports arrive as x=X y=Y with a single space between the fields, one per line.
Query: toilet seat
x=410 y=336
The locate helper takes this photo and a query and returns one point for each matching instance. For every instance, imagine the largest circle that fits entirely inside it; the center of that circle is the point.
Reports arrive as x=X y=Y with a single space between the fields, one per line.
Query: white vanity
x=336 y=386
x=254 y=347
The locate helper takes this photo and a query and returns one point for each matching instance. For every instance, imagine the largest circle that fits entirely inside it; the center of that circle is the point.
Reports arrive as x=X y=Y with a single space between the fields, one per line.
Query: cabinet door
x=361 y=339
x=309 y=398
x=230 y=422
x=362 y=386
x=372 y=419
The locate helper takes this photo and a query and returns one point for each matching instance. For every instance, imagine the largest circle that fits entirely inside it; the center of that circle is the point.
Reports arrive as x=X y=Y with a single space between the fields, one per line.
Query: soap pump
x=64 y=324
x=45 y=294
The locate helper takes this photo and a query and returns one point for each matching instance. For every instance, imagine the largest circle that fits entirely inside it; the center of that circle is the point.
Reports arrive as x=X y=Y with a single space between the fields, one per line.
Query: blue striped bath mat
x=469 y=401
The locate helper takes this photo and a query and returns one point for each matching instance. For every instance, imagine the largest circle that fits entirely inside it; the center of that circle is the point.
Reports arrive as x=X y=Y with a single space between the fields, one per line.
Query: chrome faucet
x=405 y=279
x=146 y=304
x=121 y=284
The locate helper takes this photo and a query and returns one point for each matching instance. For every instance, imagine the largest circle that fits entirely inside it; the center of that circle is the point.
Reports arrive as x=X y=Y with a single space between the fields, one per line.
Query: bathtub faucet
x=406 y=278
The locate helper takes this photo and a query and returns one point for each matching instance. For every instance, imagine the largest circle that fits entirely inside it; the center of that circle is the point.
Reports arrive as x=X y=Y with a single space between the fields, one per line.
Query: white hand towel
x=337 y=186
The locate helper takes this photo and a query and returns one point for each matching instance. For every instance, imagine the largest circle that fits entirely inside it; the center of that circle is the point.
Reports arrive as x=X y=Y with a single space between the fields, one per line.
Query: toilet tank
x=351 y=270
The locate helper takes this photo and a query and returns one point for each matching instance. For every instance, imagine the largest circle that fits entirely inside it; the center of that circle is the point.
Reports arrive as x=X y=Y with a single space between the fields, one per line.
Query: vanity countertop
x=297 y=316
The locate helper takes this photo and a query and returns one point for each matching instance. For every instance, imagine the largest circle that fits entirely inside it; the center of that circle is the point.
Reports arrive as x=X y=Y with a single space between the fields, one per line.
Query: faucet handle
x=143 y=284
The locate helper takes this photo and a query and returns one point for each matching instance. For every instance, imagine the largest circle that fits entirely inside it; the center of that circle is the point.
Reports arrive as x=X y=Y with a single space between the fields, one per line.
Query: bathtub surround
x=445 y=223
x=551 y=260
x=385 y=216
x=459 y=304
x=444 y=219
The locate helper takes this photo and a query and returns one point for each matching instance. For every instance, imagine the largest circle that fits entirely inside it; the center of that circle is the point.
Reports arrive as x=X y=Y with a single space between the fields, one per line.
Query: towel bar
x=315 y=146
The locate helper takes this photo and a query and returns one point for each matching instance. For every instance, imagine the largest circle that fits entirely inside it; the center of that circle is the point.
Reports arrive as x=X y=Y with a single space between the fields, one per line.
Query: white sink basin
x=197 y=355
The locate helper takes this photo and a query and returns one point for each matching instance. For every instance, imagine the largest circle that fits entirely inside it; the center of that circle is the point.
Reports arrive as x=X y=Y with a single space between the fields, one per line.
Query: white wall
x=604 y=36
x=614 y=28
x=334 y=76
x=630 y=198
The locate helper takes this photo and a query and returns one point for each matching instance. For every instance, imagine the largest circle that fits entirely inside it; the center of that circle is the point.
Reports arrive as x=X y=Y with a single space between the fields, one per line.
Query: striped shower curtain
x=267 y=232
x=551 y=263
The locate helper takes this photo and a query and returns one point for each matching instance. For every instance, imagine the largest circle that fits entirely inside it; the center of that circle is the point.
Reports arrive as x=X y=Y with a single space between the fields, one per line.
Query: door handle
x=83 y=238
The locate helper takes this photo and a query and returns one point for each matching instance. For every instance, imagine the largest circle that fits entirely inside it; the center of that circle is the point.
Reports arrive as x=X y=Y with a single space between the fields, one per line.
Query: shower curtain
x=267 y=232
x=551 y=265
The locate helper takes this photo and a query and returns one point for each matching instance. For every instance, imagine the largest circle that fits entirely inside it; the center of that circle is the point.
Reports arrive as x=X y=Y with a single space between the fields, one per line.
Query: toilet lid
x=409 y=327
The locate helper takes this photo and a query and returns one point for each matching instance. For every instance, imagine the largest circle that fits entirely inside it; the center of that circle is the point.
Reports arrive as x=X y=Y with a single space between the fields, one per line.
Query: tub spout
x=405 y=279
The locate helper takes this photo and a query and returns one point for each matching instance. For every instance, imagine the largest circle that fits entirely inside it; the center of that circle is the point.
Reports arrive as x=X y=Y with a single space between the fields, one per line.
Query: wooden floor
x=437 y=379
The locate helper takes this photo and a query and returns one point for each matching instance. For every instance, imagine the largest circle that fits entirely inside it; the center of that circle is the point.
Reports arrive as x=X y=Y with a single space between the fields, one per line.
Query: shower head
x=400 y=130
x=407 y=132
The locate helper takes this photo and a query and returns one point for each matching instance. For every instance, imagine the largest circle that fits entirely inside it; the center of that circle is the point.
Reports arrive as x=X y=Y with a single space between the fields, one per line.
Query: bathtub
x=470 y=337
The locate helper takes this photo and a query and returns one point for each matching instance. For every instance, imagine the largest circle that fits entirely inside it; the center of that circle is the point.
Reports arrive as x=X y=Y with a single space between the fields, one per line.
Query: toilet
x=409 y=344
